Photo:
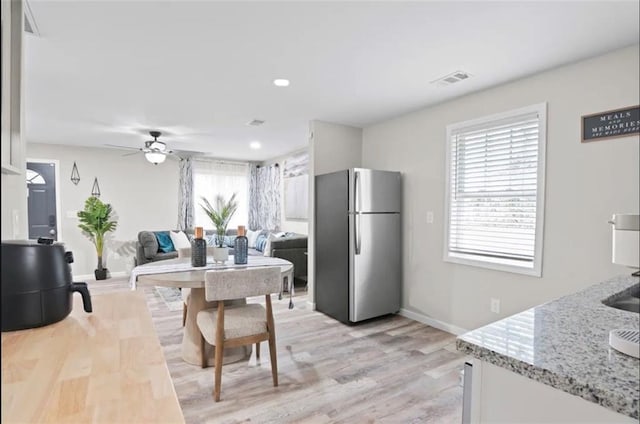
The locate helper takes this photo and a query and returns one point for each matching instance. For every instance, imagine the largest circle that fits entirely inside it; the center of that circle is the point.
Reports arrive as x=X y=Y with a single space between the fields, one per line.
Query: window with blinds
x=495 y=191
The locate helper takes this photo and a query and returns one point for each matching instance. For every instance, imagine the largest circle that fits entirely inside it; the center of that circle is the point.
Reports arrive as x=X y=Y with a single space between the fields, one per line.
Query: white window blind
x=494 y=167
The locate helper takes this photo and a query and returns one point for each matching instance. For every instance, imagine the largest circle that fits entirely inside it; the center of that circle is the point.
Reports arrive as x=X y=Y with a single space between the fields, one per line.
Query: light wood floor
x=391 y=370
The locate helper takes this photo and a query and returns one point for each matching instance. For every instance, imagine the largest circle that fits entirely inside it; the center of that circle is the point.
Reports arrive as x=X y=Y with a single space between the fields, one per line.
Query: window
x=495 y=191
x=34 y=178
x=212 y=178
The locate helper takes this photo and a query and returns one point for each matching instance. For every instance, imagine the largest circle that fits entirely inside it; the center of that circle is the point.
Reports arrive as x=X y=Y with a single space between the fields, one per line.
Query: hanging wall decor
x=611 y=124
x=95 y=191
x=75 y=175
x=296 y=187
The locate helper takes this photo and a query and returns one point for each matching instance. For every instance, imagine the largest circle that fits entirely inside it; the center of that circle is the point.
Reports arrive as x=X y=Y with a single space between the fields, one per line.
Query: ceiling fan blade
x=121 y=147
x=130 y=154
x=187 y=153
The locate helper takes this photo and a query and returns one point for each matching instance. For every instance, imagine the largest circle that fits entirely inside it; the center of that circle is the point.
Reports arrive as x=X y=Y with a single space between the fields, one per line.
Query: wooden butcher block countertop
x=100 y=367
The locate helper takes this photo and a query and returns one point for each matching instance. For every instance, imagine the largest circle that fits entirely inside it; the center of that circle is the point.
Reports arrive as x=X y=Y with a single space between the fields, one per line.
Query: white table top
x=180 y=273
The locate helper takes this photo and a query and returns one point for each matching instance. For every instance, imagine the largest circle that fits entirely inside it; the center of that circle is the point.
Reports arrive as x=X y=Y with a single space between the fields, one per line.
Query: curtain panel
x=264 y=197
x=185 y=195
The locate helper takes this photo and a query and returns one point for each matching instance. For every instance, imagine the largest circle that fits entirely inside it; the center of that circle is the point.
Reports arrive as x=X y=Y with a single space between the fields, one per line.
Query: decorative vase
x=198 y=252
x=220 y=254
x=241 y=247
x=101 y=274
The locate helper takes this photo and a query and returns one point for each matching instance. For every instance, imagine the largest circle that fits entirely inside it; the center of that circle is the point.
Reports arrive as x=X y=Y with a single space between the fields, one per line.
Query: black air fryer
x=36 y=284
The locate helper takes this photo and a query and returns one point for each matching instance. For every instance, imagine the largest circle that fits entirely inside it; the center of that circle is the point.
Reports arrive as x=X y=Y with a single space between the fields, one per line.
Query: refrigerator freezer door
x=374 y=191
x=375 y=273
x=332 y=246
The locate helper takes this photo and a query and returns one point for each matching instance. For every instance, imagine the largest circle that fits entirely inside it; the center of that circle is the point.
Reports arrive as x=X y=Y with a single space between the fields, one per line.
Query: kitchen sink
x=628 y=300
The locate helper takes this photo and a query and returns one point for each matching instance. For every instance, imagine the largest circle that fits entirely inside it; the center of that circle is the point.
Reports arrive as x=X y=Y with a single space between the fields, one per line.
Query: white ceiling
x=106 y=72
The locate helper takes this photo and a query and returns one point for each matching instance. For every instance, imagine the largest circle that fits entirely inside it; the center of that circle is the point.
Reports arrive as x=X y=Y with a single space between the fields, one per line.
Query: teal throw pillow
x=165 y=244
x=261 y=242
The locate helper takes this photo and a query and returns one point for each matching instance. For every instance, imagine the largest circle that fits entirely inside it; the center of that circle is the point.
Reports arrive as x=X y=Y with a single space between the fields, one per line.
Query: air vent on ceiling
x=452 y=78
x=255 y=123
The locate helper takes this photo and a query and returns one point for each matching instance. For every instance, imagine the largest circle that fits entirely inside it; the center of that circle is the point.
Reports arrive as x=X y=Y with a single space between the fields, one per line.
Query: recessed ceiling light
x=255 y=144
x=280 y=82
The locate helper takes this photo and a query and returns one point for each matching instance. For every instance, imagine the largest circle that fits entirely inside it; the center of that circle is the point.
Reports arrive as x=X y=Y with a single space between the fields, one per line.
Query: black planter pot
x=101 y=274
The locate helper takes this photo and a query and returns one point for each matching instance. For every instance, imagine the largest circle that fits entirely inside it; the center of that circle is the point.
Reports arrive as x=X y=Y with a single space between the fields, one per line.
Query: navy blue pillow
x=165 y=244
x=261 y=242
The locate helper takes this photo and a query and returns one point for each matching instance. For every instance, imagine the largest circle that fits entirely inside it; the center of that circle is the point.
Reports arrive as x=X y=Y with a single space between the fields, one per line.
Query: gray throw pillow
x=149 y=243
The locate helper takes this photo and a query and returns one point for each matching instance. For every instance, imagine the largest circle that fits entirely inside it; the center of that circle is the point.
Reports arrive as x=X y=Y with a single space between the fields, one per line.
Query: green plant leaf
x=221 y=214
x=95 y=222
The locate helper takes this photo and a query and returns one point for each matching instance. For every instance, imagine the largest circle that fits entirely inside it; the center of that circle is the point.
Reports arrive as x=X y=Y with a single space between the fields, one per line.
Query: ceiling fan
x=155 y=151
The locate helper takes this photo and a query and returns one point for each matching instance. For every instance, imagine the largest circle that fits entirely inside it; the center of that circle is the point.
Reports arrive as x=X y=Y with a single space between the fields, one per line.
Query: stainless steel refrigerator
x=358 y=244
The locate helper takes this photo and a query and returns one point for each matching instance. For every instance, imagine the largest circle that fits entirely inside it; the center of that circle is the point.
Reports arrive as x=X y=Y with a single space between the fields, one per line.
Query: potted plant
x=220 y=216
x=95 y=222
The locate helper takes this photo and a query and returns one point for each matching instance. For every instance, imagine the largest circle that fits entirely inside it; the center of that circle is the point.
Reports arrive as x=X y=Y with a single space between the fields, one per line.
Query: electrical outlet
x=430 y=217
x=495 y=305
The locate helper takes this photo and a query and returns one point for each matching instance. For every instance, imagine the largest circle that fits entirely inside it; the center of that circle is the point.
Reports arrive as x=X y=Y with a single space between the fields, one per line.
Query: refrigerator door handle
x=356 y=194
x=357 y=237
x=356 y=204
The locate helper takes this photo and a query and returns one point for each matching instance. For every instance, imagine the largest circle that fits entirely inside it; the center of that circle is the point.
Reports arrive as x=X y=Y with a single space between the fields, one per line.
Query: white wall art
x=296 y=186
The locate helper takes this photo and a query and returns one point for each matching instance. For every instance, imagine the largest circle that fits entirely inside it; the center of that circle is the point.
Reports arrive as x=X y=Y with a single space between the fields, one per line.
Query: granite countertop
x=565 y=344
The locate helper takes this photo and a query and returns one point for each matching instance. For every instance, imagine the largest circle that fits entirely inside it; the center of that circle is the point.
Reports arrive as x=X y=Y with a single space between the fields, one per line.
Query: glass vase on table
x=241 y=247
x=199 y=249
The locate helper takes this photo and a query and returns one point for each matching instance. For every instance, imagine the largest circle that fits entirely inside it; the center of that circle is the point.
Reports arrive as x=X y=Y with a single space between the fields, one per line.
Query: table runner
x=184 y=264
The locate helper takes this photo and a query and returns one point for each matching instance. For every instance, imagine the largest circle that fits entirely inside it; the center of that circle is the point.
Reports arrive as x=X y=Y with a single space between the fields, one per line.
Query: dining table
x=180 y=273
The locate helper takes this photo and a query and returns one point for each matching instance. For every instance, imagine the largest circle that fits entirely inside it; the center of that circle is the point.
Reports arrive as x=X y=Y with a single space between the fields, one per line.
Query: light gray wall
x=14 y=189
x=332 y=147
x=335 y=147
x=585 y=184
x=144 y=197
x=14 y=207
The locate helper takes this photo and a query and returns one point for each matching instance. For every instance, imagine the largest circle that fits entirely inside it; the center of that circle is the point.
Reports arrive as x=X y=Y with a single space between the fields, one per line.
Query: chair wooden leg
x=274 y=358
x=258 y=350
x=218 y=372
x=219 y=351
x=184 y=314
x=272 y=342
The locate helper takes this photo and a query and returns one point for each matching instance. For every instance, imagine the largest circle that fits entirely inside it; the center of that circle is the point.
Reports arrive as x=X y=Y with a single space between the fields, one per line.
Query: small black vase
x=198 y=252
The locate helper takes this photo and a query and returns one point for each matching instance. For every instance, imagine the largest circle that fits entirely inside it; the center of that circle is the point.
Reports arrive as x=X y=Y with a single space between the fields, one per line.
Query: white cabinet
x=498 y=395
x=12 y=92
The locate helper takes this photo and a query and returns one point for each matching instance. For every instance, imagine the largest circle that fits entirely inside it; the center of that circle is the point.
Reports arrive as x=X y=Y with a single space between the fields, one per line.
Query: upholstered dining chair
x=239 y=324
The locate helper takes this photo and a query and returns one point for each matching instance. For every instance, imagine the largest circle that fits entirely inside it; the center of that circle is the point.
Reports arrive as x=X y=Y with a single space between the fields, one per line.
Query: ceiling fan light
x=155 y=157
x=158 y=145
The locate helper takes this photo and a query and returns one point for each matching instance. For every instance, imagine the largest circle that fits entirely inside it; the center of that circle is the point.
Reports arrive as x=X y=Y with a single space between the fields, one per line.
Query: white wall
x=585 y=184
x=332 y=147
x=14 y=189
x=293 y=225
x=335 y=147
x=144 y=197
x=14 y=207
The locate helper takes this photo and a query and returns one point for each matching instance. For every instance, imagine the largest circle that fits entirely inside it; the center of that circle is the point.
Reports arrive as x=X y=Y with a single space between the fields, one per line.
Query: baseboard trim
x=440 y=325
x=312 y=305
x=116 y=274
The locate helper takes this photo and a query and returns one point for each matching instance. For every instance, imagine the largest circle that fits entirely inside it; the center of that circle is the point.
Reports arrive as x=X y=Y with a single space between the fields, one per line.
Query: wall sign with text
x=611 y=124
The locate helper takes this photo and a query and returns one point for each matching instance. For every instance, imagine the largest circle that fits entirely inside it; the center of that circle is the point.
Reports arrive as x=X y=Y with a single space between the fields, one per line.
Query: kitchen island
x=553 y=362
x=100 y=367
